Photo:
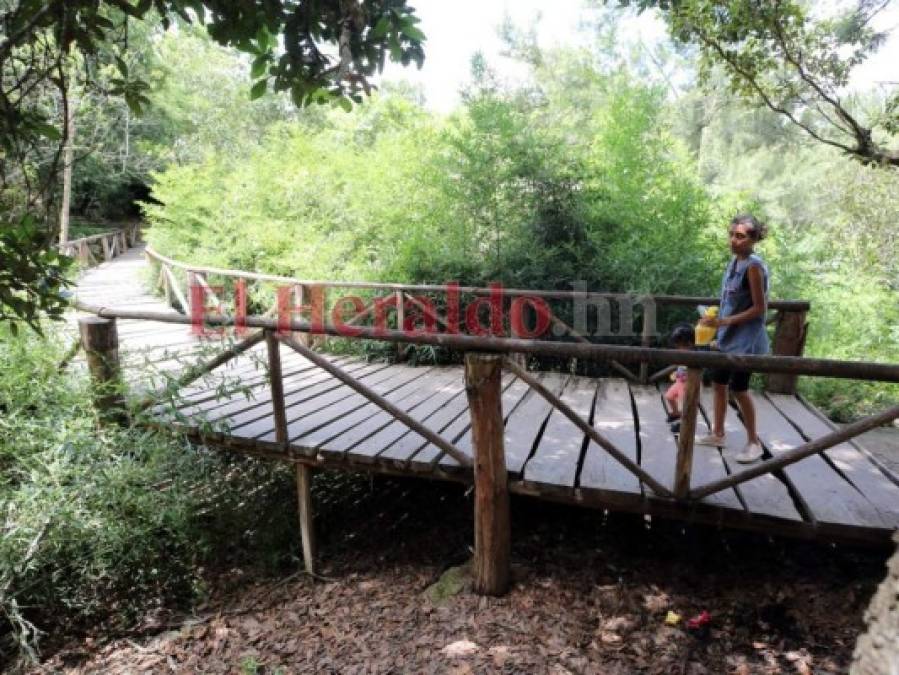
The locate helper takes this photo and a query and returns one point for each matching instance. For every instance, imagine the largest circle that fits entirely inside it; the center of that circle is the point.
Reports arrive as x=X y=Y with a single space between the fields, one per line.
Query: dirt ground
x=591 y=595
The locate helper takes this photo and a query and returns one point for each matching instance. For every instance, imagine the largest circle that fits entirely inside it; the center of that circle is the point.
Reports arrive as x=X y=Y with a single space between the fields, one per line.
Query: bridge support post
x=304 y=508
x=303 y=472
x=492 y=527
x=684 y=465
x=101 y=348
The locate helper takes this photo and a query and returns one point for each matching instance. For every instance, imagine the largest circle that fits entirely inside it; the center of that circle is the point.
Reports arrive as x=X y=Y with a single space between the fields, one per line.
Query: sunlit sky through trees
x=456 y=30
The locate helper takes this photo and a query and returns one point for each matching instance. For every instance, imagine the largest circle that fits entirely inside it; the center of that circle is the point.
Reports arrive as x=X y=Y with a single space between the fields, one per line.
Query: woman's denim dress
x=749 y=337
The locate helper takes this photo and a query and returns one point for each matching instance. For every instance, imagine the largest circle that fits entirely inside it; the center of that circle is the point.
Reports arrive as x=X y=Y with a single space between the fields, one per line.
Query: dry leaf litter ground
x=591 y=595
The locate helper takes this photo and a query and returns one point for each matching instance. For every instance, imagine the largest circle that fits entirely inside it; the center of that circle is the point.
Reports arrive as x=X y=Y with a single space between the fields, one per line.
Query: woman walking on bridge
x=740 y=330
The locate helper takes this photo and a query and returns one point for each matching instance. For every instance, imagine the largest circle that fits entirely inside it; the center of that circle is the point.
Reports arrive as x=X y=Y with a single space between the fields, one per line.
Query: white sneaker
x=711 y=439
x=751 y=452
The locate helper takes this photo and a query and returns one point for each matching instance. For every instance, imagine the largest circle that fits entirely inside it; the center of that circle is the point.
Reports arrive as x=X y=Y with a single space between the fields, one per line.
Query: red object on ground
x=700 y=621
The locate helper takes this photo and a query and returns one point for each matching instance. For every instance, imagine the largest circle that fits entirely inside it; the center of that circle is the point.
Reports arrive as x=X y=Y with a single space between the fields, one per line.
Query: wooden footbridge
x=595 y=441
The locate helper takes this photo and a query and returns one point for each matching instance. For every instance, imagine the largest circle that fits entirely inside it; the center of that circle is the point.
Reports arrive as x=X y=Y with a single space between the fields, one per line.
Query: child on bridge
x=682 y=337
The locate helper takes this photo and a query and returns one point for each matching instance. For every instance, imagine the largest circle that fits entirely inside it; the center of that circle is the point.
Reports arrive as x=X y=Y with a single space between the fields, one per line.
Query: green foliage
x=31 y=277
x=101 y=522
x=509 y=189
x=584 y=174
x=53 y=51
x=833 y=239
x=795 y=59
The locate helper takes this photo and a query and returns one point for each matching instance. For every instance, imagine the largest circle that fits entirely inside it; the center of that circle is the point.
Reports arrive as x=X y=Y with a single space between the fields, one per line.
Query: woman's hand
x=714 y=322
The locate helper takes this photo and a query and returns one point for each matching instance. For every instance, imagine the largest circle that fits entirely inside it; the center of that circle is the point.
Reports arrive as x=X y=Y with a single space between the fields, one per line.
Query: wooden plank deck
x=838 y=495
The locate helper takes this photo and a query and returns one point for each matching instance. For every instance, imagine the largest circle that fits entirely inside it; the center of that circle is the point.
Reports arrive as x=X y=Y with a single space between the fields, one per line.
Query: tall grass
x=102 y=522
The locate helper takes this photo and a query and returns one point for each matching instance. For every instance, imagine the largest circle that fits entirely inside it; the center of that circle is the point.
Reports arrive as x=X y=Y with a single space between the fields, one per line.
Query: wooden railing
x=485 y=357
x=101 y=247
x=789 y=316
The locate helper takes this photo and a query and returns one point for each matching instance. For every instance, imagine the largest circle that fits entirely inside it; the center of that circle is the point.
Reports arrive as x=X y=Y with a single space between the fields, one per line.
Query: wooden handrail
x=798 y=365
x=788 y=305
x=97 y=237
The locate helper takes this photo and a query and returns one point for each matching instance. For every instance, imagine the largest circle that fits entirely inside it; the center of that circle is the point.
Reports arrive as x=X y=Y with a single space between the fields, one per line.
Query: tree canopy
x=319 y=52
x=795 y=63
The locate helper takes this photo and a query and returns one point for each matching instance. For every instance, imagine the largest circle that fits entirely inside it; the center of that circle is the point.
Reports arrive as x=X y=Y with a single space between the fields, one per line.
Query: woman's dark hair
x=757 y=230
x=682 y=334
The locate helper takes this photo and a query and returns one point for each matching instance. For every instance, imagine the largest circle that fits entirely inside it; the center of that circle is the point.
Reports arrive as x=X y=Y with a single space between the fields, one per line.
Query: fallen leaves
x=459 y=648
x=573 y=609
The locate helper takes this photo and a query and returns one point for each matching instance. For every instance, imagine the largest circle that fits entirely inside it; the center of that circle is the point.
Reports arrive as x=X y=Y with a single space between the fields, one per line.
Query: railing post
x=107 y=253
x=400 y=323
x=277 y=388
x=684 y=466
x=100 y=341
x=166 y=286
x=303 y=472
x=789 y=340
x=520 y=357
x=492 y=535
x=647 y=330
x=191 y=282
x=300 y=294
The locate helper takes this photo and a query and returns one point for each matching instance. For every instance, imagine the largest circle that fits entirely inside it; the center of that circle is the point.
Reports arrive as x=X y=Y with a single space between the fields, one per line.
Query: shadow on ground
x=591 y=595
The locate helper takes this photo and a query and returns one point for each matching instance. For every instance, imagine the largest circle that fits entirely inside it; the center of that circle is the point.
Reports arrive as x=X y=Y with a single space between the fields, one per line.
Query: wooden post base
x=100 y=341
x=492 y=535
x=304 y=505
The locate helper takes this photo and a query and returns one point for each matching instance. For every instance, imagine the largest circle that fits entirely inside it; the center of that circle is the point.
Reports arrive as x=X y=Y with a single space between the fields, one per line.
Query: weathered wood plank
x=555 y=462
x=247 y=372
x=335 y=439
x=860 y=443
x=866 y=477
x=427 y=455
x=303 y=427
x=765 y=495
x=832 y=499
x=515 y=439
x=256 y=400
x=525 y=418
x=391 y=436
x=364 y=438
x=658 y=450
x=613 y=416
x=300 y=402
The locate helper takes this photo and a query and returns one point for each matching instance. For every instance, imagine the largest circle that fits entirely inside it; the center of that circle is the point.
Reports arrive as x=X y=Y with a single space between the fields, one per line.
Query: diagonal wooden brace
x=799 y=453
x=594 y=435
x=198 y=370
x=378 y=400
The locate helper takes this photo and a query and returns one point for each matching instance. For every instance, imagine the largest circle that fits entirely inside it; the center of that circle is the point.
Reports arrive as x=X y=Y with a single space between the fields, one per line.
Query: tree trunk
x=68 y=159
x=877 y=650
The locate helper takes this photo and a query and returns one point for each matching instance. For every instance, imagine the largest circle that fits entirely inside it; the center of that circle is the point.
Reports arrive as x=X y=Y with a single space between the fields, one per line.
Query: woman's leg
x=720 y=408
x=747 y=409
x=740 y=387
